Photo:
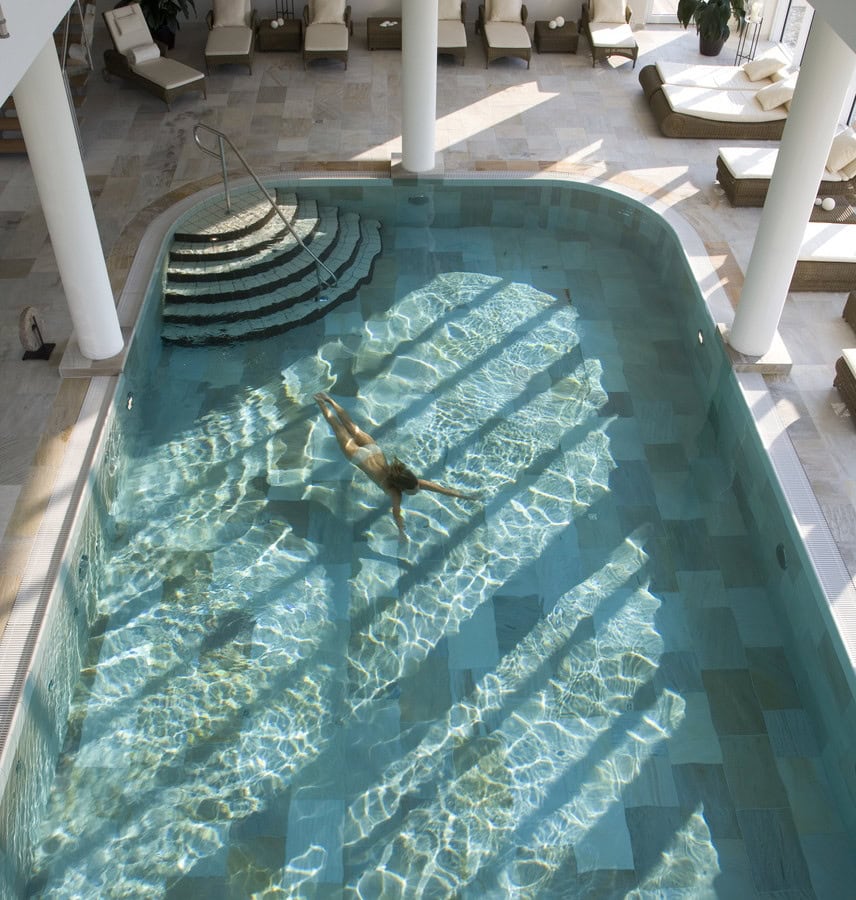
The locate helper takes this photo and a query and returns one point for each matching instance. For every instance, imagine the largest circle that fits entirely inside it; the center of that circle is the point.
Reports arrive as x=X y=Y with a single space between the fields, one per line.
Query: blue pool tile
x=791 y=733
x=704 y=788
x=653 y=784
x=753 y=778
x=606 y=844
x=716 y=639
x=774 y=850
x=831 y=864
x=695 y=739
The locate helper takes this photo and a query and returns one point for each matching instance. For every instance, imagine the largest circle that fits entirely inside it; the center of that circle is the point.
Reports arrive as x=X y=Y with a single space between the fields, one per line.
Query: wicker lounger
x=337 y=48
x=845 y=379
x=753 y=191
x=681 y=125
x=831 y=264
x=629 y=49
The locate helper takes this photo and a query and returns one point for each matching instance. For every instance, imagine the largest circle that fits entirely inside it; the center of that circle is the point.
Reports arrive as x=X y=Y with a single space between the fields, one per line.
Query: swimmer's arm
x=396 y=514
x=449 y=492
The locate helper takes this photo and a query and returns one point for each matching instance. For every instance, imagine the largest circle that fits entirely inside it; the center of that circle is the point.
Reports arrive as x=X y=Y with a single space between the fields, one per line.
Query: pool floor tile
x=809 y=795
x=695 y=739
x=717 y=640
x=704 y=788
x=733 y=704
x=774 y=850
x=791 y=733
x=750 y=769
x=772 y=679
x=831 y=864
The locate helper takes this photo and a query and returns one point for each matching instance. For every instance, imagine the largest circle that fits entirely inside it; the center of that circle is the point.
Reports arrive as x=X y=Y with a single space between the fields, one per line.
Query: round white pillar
x=418 y=84
x=49 y=134
x=825 y=74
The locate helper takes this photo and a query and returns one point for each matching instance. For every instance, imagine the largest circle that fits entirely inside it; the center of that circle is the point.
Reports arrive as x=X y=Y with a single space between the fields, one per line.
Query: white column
x=418 y=84
x=827 y=68
x=49 y=134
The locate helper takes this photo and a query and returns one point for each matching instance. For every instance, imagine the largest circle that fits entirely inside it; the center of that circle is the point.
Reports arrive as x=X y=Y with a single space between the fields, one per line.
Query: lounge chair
x=606 y=25
x=451 y=32
x=327 y=27
x=845 y=379
x=231 y=34
x=502 y=25
x=827 y=258
x=745 y=173
x=136 y=57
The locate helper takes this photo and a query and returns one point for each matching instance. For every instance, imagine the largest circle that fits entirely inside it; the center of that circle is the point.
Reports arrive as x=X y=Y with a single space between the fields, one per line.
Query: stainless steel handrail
x=220 y=154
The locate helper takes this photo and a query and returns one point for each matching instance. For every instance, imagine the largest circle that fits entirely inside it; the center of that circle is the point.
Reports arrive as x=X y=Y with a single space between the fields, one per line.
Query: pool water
x=572 y=686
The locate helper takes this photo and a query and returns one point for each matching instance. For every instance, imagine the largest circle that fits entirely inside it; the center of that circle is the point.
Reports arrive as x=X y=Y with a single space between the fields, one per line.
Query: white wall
x=30 y=24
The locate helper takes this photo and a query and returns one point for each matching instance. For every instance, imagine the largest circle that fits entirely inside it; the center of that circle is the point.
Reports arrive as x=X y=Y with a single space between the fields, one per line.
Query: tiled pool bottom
x=618 y=715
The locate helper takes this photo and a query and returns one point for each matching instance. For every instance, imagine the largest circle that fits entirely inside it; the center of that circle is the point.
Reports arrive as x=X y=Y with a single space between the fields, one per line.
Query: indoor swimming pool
x=582 y=683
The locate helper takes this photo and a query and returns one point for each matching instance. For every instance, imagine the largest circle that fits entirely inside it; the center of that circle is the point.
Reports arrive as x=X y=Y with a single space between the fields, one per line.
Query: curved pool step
x=351 y=256
x=212 y=224
x=274 y=259
x=268 y=230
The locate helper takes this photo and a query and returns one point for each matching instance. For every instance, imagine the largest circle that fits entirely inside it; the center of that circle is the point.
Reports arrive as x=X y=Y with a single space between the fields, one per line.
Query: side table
x=556 y=40
x=289 y=36
x=387 y=38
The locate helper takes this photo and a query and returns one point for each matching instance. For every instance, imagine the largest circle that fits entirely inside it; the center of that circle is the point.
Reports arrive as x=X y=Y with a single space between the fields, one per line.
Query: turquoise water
x=571 y=687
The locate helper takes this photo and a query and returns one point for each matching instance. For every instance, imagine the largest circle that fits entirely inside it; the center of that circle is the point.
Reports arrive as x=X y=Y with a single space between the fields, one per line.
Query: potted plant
x=711 y=18
x=162 y=16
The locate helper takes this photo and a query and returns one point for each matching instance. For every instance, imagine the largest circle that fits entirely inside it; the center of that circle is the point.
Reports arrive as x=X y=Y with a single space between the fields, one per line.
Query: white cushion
x=757 y=162
x=328 y=12
x=230 y=13
x=605 y=35
x=449 y=9
x=507 y=34
x=843 y=150
x=829 y=242
x=168 y=73
x=731 y=78
x=229 y=41
x=506 y=11
x=719 y=106
x=451 y=34
x=762 y=67
x=143 y=53
x=610 y=11
x=128 y=28
x=776 y=94
x=325 y=38
x=848 y=172
x=850 y=358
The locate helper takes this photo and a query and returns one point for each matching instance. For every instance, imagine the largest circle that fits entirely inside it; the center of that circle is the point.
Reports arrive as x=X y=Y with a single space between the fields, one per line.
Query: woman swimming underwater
x=359 y=447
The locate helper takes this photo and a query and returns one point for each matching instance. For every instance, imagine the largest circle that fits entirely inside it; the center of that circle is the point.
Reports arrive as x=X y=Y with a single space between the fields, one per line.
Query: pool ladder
x=220 y=153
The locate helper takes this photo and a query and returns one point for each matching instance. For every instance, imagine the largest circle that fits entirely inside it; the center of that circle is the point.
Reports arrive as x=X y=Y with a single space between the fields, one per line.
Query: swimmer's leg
x=360 y=437
x=343 y=436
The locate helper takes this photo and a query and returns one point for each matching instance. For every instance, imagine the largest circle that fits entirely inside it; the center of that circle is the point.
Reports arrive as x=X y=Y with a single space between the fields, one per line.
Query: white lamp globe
x=828 y=204
x=560 y=21
x=553 y=23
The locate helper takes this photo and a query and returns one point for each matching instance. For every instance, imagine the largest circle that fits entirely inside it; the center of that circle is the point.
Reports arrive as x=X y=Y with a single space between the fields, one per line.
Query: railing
x=220 y=154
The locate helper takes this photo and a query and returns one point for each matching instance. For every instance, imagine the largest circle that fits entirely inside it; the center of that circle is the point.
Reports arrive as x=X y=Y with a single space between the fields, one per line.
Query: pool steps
x=246 y=277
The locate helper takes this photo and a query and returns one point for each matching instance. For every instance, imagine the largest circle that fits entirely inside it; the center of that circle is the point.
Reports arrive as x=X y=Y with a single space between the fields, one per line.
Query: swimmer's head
x=401 y=478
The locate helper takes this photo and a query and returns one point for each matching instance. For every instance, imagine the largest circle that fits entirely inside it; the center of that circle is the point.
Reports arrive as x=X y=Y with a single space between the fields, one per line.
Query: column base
x=397 y=169
x=75 y=365
x=776 y=361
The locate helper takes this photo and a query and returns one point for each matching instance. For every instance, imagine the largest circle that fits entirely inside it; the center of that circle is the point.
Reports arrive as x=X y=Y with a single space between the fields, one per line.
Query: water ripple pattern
x=284 y=698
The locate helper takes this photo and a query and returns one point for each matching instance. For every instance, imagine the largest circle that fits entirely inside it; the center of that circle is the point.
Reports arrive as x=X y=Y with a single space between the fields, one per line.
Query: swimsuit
x=365 y=452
